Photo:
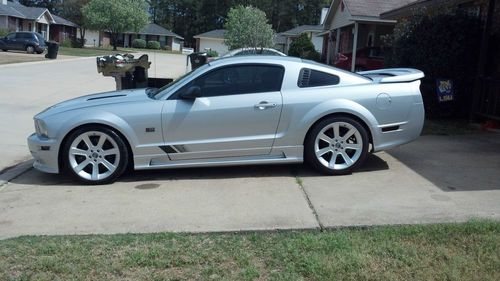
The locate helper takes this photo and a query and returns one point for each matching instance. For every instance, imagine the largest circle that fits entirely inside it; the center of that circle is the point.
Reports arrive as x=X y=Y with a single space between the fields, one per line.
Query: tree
x=248 y=27
x=116 y=16
x=72 y=10
x=443 y=45
x=302 y=47
x=51 y=5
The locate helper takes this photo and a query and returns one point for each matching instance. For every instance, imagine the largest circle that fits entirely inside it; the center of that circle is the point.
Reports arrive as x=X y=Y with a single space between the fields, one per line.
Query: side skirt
x=279 y=155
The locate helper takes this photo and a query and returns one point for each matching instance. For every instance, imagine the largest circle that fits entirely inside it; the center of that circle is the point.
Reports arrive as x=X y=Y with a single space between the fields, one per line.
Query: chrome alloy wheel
x=94 y=155
x=338 y=146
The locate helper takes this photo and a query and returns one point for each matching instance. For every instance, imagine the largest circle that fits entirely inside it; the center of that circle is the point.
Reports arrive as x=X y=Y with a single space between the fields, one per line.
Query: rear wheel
x=30 y=49
x=5 y=50
x=95 y=155
x=336 y=145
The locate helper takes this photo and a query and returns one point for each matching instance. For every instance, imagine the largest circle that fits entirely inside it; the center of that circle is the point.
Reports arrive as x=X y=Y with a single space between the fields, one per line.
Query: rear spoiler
x=393 y=75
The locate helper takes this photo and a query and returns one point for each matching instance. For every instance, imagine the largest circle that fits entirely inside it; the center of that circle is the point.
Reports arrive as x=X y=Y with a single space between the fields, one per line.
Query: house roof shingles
x=374 y=8
x=15 y=9
x=215 y=34
x=62 y=21
x=303 y=28
x=154 y=29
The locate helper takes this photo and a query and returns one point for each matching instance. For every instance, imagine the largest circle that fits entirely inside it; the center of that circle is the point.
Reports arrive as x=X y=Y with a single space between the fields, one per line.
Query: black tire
x=5 y=50
x=39 y=52
x=30 y=49
x=121 y=145
x=309 y=145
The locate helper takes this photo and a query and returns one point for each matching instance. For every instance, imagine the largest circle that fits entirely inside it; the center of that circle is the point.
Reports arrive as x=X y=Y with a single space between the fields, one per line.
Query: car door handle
x=265 y=105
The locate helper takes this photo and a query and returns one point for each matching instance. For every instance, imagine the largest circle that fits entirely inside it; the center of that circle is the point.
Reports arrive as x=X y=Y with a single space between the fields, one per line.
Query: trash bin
x=198 y=59
x=52 y=50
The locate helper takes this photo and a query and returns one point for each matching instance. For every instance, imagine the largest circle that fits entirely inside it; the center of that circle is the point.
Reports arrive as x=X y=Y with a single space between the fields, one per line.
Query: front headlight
x=41 y=129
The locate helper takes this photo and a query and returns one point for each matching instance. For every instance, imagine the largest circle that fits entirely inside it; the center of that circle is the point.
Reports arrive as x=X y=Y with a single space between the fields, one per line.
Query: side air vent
x=304 y=77
x=106 y=97
x=390 y=129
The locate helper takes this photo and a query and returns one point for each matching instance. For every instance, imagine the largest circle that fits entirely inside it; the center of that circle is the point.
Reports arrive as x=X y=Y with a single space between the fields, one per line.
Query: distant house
x=213 y=40
x=312 y=31
x=154 y=32
x=351 y=25
x=62 y=29
x=280 y=42
x=17 y=17
x=151 y=32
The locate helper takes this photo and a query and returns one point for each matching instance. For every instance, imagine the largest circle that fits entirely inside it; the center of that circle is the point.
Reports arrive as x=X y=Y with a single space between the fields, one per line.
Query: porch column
x=33 y=26
x=337 y=44
x=48 y=32
x=354 y=46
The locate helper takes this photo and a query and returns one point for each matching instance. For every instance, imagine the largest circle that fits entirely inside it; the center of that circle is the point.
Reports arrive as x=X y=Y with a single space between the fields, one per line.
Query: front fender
x=61 y=126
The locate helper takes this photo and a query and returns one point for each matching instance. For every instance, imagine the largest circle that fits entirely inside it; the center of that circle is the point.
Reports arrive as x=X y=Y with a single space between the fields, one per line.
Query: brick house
x=17 y=17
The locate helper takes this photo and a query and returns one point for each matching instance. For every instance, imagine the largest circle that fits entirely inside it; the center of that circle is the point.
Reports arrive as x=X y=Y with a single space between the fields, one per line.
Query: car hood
x=96 y=100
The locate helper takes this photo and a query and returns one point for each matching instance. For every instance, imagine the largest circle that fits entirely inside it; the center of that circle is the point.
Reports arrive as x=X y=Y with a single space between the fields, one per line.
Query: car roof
x=253 y=59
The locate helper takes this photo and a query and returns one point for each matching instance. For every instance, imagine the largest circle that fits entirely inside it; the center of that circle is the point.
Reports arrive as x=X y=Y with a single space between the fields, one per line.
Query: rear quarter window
x=309 y=78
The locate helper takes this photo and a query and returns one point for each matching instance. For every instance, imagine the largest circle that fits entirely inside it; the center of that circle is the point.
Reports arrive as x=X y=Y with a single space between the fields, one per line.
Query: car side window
x=313 y=78
x=239 y=79
x=11 y=36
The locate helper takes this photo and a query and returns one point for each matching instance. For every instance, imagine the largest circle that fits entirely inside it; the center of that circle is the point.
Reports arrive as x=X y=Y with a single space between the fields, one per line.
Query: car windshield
x=40 y=37
x=161 y=92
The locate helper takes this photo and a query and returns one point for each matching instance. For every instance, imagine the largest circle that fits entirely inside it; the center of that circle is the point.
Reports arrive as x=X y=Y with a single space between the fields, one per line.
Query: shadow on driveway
x=34 y=177
x=455 y=163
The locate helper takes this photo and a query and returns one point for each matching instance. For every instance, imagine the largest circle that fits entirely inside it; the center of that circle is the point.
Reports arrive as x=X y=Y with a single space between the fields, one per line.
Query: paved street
x=435 y=179
x=28 y=88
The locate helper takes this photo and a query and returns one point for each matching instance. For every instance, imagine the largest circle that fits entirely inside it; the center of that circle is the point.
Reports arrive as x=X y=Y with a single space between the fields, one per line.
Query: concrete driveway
x=435 y=179
x=384 y=191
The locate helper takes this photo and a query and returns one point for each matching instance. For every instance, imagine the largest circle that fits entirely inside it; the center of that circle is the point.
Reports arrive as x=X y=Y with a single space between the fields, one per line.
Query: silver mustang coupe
x=234 y=111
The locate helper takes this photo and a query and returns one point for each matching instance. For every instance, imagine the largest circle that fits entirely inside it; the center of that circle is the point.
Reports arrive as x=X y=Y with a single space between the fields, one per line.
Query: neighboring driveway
x=28 y=88
x=384 y=191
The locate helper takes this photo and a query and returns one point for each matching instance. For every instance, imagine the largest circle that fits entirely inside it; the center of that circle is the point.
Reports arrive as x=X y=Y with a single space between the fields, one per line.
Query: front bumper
x=45 y=152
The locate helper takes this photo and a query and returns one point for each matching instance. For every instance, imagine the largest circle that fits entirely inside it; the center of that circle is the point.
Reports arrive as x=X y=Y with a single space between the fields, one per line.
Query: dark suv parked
x=30 y=42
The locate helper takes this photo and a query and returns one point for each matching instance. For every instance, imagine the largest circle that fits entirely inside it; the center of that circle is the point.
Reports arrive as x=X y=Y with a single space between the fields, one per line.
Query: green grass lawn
x=89 y=52
x=92 y=52
x=469 y=251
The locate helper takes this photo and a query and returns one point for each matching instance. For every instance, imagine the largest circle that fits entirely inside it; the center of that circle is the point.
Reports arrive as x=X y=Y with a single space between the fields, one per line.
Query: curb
x=43 y=62
x=13 y=172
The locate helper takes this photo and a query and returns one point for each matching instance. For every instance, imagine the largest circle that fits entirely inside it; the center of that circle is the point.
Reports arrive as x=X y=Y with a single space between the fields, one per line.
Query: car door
x=10 y=41
x=21 y=40
x=237 y=113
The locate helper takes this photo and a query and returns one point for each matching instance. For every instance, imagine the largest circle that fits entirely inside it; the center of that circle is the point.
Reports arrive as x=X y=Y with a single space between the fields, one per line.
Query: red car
x=369 y=58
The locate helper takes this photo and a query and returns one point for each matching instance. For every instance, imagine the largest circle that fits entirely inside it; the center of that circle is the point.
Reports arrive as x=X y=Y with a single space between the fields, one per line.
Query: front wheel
x=95 y=155
x=336 y=145
x=30 y=49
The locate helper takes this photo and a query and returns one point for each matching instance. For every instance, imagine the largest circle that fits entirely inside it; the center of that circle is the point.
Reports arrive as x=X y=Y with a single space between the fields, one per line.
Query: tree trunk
x=114 y=36
x=82 y=36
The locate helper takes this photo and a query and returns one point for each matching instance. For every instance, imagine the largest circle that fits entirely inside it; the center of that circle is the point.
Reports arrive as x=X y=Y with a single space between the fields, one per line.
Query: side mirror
x=192 y=93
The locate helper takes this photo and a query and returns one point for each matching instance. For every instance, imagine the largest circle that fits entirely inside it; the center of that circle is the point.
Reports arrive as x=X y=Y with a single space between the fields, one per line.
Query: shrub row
x=141 y=44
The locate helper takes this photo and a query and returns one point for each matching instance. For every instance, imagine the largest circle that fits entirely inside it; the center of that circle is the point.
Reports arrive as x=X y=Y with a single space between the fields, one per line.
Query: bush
x=302 y=47
x=3 y=32
x=442 y=46
x=77 y=43
x=212 y=54
x=153 y=45
x=66 y=43
x=139 y=43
